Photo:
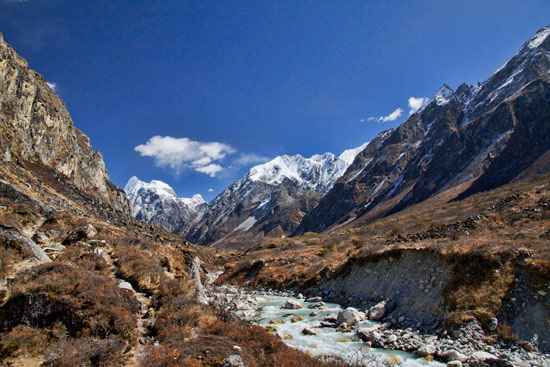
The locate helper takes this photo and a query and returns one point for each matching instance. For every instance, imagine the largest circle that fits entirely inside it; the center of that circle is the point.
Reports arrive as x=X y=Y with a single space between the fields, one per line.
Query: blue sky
x=223 y=85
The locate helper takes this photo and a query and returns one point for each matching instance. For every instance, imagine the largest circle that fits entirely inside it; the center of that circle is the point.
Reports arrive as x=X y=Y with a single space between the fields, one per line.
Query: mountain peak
x=317 y=173
x=539 y=37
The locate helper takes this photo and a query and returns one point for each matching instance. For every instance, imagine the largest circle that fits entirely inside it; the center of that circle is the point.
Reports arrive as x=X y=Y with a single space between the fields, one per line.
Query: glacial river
x=327 y=341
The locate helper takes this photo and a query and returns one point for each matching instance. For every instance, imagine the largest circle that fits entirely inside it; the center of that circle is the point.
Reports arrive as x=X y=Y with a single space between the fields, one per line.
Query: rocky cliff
x=35 y=126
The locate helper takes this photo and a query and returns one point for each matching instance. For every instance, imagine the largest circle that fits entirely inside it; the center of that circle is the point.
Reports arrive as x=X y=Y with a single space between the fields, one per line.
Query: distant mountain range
x=475 y=138
x=269 y=201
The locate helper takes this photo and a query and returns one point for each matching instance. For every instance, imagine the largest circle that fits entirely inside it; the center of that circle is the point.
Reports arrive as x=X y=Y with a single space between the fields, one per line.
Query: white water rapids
x=327 y=341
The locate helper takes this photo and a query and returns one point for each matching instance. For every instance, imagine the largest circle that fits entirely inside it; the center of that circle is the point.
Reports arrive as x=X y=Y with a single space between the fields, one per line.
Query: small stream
x=328 y=341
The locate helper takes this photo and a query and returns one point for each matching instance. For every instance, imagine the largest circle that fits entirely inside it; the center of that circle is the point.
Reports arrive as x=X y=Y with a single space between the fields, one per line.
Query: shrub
x=357 y=242
x=23 y=339
x=87 y=352
x=85 y=302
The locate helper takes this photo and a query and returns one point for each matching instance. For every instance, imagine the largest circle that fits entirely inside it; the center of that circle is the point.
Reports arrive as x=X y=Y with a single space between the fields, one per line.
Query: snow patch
x=246 y=225
x=539 y=38
x=349 y=155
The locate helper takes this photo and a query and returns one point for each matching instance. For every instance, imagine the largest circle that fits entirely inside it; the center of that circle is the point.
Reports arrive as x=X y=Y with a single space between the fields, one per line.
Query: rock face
x=36 y=126
x=487 y=134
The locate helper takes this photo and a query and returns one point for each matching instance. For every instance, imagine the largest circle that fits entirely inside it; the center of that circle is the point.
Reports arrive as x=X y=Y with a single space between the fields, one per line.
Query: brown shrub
x=23 y=339
x=87 y=351
x=84 y=301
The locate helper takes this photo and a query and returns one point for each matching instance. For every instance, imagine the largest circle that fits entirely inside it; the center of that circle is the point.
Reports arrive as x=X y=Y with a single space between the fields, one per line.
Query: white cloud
x=180 y=153
x=416 y=103
x=52 y=85
x=391 y=117
x=210 y=170
x=210 y=190
x=250 y=158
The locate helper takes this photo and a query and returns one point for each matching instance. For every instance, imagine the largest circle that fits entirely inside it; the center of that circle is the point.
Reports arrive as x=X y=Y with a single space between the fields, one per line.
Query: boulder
x=349 y=316
x=308 y=331
x=314 y=299
x=292 y=305
x=453 y=355
x=426 y=350
x=454 y=364
x=317 y=305
x=378 y=311
x=81 y=233
x=233 y=361
x=482 y=356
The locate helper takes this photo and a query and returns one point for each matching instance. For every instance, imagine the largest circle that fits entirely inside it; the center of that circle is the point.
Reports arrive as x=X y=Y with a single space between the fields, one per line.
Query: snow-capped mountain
x=157 y=203
x=486 y=134
x=271 y=199
x=317 y=173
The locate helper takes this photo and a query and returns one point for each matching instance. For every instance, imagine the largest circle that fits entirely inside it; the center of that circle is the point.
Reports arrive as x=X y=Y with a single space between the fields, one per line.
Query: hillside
x=83 y=283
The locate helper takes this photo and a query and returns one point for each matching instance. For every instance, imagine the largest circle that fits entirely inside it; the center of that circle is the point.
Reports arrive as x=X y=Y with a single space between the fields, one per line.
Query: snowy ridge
x=526 y=65
x=349 y=155
x=317 y=173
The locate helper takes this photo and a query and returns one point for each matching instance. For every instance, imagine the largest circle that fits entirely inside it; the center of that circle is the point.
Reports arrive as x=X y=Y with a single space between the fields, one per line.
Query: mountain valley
x=437 y=231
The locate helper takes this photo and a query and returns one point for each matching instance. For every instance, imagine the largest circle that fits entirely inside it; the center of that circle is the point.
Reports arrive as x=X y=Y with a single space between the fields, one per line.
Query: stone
x=316 y=305
x=426 y=350
x=483 y=356
x=453 y=355
x=378 y=311
x=81 y=233
x=277 y=321
x=454 y=364
x=292 y=305
x=392 y=338
x=125 y=285
x=349 y=316
x=493 y=324
x=313 y=314
x=296 y=319
x=314 y=299
x=233 y=361
x=308 y=331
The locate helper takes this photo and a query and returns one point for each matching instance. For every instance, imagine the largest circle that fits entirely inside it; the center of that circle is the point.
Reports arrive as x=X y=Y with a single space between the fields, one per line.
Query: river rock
x=308 y=331
x=292 y=305
x=453 y=355
x=426 y=350
x=454 y=364
x=313 y=314
x=392 y=338
x=317 y=305
x=233 y=361
x=350 y=316
x=378 y=311
x=296 y=319
x=331 y=319
x=483 y=356
x=314 y=299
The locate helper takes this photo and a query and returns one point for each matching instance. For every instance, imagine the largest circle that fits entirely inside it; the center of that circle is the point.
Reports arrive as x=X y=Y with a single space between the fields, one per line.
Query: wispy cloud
x=52 y=85
x=184 y=153
x=391 y=117
x=210 y=190
x=415 y=103
x=249 y=159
